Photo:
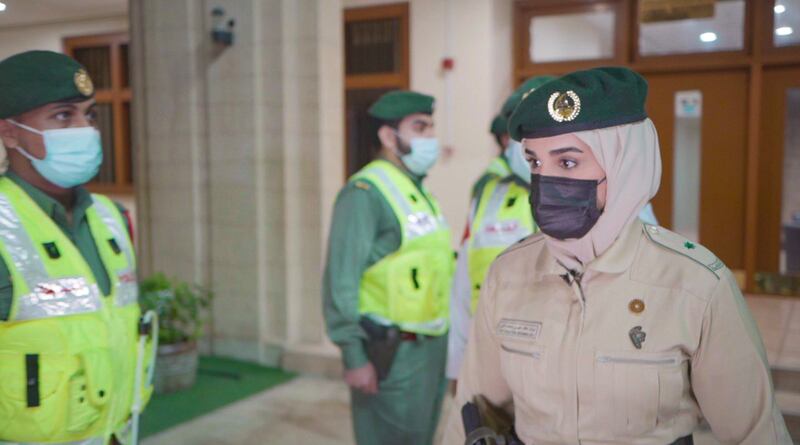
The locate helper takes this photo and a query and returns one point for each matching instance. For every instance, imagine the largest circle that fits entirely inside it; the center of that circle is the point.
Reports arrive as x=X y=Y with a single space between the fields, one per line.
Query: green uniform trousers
x=409 y=401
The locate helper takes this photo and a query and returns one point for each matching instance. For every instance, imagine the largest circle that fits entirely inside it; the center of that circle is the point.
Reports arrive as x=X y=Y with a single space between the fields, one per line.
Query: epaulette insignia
x=681 y=245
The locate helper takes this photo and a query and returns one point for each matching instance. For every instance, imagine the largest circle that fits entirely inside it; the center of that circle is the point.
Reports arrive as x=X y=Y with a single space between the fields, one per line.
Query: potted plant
x=182 y=315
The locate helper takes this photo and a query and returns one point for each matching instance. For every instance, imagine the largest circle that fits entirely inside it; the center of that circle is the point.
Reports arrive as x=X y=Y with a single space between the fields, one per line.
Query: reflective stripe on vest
x=47 y=297
x=417 y=223
x=127 y=291
x=491 y=230
x=498 y=222
x=92 y=441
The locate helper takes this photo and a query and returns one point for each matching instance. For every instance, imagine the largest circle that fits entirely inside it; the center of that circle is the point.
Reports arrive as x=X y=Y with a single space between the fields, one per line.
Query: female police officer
x=602 y=329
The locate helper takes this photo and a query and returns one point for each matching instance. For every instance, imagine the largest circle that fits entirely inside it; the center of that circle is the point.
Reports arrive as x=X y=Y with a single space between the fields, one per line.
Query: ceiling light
x=2 y=6
x=708 y=37
x=784 y=31
x=779 y=9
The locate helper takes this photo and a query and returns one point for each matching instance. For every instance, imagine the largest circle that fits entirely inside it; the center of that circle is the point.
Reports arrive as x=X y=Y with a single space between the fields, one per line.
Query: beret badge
x=564 y=107
x=83 y=82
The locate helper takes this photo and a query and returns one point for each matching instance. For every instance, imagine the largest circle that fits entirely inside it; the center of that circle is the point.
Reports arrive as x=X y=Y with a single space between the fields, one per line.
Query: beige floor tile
x=309 y=410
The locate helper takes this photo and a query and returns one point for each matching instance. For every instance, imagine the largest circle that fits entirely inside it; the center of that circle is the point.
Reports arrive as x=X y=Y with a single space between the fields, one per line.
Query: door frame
x=398 y=79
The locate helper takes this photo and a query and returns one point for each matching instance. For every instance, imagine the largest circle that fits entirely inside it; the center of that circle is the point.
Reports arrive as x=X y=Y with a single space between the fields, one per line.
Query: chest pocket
x=636 y=391
x=523 y=363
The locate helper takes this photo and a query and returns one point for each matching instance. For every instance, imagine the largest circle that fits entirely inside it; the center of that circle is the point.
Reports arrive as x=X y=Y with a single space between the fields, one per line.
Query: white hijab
x=631 y=158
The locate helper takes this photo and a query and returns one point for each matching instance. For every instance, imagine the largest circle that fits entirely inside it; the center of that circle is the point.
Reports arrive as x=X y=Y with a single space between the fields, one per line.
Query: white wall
x=50 y=36
x=468 y=97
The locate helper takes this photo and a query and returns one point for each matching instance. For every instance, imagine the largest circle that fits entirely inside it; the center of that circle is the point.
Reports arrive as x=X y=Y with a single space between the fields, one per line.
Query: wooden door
x=779 y=176
x=716 y=187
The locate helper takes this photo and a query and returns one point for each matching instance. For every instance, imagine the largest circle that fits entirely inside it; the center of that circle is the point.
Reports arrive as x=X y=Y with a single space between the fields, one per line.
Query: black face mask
x=564 y=208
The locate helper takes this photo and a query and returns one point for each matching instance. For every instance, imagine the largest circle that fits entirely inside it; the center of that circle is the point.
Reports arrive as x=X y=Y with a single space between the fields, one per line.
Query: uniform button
x=636 y=306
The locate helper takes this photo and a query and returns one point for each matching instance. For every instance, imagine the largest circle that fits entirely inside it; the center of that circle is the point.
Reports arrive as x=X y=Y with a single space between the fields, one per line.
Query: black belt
x=412 y=336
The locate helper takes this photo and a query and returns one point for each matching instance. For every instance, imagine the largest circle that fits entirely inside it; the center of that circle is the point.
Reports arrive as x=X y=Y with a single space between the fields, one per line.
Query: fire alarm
x=448 y=63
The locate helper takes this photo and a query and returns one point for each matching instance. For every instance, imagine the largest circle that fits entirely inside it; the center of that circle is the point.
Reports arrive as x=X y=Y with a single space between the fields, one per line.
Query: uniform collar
x=51 y=207
x=414 y=178
x=616 y=259
x=546 y=263
x=619 y=257
x=517 y=180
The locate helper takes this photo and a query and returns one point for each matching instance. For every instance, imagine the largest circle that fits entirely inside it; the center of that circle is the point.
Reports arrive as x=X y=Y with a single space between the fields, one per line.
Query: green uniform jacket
x=364 y=230
x=78 y=232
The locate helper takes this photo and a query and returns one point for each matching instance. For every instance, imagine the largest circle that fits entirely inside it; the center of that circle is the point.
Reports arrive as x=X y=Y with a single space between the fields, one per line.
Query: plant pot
x=176 y=367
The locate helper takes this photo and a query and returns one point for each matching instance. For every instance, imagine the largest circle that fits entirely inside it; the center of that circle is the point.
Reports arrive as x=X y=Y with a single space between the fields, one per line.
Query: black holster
x=381 y=345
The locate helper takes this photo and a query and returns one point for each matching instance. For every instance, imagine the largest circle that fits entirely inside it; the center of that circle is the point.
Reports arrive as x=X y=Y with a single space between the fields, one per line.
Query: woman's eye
x=568 y=163
x=63 y=116
x=534 y=163
x=91 y=116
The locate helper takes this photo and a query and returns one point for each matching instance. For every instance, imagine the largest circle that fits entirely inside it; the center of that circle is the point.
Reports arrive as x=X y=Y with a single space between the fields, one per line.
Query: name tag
x=519 y=328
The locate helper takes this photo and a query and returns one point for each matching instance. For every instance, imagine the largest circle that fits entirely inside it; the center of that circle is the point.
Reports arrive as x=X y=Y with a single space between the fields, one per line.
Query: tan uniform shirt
x=567 y=354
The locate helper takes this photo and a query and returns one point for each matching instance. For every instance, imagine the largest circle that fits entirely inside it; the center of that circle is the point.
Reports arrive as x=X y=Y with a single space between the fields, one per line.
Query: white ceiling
x=31 y=12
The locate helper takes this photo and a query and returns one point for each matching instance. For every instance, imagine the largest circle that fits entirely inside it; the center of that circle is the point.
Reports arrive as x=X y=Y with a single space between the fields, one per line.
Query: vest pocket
x=20 y=422
x=415 y=287
x=636 y=391
x=72 y=388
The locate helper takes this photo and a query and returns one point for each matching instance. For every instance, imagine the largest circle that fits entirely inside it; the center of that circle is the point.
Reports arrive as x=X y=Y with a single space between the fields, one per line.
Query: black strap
x=145 y=328
x=114 y=246
x=52 y=250
x=32 y=379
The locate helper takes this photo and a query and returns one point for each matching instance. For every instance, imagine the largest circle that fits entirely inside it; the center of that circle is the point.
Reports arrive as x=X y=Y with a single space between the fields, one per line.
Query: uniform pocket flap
x=523 y=348
x=639 y=358
x=99 y=375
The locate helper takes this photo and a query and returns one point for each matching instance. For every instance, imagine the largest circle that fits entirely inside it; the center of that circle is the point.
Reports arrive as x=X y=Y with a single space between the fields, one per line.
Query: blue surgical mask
x=73 y=155
x=516 y=160
x=424 y=153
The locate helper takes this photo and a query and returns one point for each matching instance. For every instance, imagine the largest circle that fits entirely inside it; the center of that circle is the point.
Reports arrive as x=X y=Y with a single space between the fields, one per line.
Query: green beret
x=396 y=105
x=34 y=78
x=516 y=97
x=579 y=101
x=499 y=125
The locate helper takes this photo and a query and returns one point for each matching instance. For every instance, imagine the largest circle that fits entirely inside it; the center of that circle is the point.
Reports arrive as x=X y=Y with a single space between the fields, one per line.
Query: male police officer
x=69 y=318
x=500 y=216
x=500 y=166
x=387 y=280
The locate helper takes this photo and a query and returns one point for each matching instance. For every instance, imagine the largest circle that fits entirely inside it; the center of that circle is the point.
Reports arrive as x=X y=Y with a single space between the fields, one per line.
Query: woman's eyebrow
x=559 y=151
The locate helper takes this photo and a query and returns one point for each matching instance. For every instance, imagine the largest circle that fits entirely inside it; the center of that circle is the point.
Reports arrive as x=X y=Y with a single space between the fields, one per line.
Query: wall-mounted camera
x=221 y=27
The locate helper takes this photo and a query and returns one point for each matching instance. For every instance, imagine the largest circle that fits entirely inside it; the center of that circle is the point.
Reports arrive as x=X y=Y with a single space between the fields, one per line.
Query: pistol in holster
x=488 y=424
x=381 y=345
